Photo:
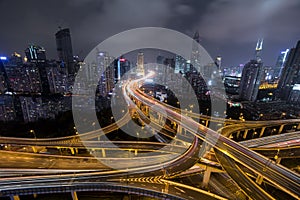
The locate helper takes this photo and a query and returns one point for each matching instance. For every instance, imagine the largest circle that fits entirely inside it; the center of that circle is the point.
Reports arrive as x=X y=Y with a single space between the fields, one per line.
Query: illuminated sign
x=122 y=59
x=3 y=58
x=234 y=104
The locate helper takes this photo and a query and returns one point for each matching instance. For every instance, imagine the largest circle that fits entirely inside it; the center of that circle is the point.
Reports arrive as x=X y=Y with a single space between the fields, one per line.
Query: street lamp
x=33 y=132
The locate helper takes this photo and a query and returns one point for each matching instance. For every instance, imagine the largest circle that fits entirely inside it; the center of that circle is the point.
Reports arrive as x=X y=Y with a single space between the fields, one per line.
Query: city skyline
x=156 y=99
x=223 y=28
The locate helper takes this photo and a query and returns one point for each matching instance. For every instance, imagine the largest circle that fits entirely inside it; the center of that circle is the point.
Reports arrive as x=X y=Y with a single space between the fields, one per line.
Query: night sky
x=229 y=28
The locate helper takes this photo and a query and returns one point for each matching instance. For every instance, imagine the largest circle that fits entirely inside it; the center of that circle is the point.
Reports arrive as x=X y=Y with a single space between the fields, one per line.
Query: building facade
x=250 y=81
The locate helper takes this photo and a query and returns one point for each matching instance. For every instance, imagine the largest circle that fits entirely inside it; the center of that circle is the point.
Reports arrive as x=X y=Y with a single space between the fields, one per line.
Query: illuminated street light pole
x=33 y=147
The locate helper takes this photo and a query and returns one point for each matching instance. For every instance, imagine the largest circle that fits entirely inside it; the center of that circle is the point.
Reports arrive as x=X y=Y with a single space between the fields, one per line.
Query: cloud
x=225 y=25
x=182 y=9
x=245 y=21
x=117 y=16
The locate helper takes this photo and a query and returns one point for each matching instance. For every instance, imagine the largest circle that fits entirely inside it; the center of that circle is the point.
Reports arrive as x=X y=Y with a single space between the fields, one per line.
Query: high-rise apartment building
x=65 y=50
x=36 y=58
x=258 y=49
x=35 y=54
x=280 y=63
x=105 y=73
x=180 y=64
x=121 y=67
x=290 y=76
x=251 y=78
x=140 y=71
x=195 y=57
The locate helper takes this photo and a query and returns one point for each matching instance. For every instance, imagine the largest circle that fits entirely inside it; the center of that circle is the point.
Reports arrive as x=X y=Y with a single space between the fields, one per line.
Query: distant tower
x=251 y=78
x=258 y=49
x=64 y=49
x=195 y=57
x=105 y=70
x=35 y=54
x=197 y=37
x=180 y=64
x=218 y=61
x=122 y=66
x=280 y=63
x=290 y=77
x=140 y=64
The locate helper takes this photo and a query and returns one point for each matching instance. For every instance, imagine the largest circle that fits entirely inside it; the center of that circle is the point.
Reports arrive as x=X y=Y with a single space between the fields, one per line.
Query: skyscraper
x=36 y=58
x=180 y=64
x=105 y=71
x=251 y=77
x=140 y=71
x=195 y=57
x=4 y=81
x=35 y=54
x=280 y=63
x=64 y=49
x=121 y=66
x=258 y=49
x=290 y=76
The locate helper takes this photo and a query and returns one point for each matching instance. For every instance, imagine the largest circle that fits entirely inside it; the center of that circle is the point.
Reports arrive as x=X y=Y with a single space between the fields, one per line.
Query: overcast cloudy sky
x=229 y=28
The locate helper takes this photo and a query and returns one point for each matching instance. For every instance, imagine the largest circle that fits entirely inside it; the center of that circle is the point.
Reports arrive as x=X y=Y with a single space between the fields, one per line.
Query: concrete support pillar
x=72 y=151
x=147 y=111
x=278 y=160
x=206 y=177
x=262 y=131
x=74 y=195
x=179 y=129
x=298 y=127
x=166 y=189
x=160 y=119
x=135 y=152
x=34 y=149
x=15 y=197
x=281 y=128
x=76 y=150
x=103 y=153
x=238 y=134
x=245 y=133
x=139 y=104
x=99 y=138
x=259 y=179
x=206 y=123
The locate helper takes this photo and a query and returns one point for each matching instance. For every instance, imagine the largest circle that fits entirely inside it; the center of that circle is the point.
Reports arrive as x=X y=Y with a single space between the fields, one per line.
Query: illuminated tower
x=121 y=65
x=35 y=54
x=258 y=49
x=180 y=64
x=218 y=62
x=140 y=71
x=289 y=82
x=195 y=57
x=64 y=49
x=105 y=71
x=251 y=78
x=280 y=63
